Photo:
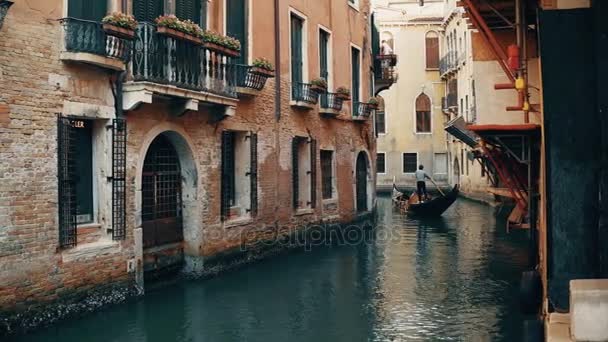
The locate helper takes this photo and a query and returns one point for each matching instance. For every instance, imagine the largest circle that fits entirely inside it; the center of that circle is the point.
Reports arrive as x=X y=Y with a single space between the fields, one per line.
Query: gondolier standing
x=421 y=176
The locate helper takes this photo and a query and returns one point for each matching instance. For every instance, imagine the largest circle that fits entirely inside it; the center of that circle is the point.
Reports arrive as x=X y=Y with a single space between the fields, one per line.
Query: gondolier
x=421 y=177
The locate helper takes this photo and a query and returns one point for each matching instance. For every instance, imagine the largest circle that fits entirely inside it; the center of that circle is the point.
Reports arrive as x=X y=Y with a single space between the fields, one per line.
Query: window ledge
x=432 y=69
x=330 y=201
x=237 y=222
x=89 y=250
x=307 y=211
x=302 y=104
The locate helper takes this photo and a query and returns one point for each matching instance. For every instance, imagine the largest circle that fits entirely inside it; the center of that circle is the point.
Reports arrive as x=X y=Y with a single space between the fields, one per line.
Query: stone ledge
x=302 y=104
x=247 y=91
x=329 y=112
x=90 y=250
x=89 y=58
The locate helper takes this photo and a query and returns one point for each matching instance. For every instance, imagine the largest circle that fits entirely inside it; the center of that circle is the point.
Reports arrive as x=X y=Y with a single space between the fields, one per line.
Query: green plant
x=225 y=41
x=373 y=101
x=343 y=91
x=185 y=26
x=263 y=63
x=319 y=82
x=123 y=20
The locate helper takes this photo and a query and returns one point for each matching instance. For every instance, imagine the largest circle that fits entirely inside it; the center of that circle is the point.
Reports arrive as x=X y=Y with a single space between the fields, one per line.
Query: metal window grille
x=253 y=174
x=161 y=182
x=228 y=177
x=67 y=183
x=410 y=161
x=327 y=174
x=295 y=143
x=119 y=179
x=381 y=163
x=313 y=173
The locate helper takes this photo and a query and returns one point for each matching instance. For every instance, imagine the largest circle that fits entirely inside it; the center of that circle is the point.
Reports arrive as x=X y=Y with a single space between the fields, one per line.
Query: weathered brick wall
x=36 y=86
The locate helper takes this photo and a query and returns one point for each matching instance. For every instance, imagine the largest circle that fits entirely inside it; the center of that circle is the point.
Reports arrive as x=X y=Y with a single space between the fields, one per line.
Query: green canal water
x=453 y=278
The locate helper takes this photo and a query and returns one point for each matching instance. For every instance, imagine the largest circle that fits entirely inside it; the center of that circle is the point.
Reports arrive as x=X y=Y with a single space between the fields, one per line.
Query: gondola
x=431 y=207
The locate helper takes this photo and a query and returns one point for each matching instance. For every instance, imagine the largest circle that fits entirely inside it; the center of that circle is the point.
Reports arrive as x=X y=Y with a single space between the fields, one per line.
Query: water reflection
x=451 y=278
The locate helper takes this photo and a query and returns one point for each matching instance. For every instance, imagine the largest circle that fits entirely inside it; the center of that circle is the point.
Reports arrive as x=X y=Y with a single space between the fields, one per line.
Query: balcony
x=248 y=81
x=182 y=70
x=448 y=64
x=303 y=96
x=386 y=75
x=362 y=111
x=86 y=42
x=331 y=104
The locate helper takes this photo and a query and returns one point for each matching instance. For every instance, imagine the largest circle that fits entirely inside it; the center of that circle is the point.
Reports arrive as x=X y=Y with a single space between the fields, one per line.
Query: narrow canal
x=453 y=278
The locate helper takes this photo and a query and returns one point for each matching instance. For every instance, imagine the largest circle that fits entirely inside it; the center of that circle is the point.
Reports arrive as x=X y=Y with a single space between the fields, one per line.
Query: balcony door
x=296 y=51
x=236 y=25
x=147 y=10
x=87 y=9
x=356 y=75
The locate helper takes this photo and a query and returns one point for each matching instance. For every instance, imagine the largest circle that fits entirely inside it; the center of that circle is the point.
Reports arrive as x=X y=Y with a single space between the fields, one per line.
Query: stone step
x=589 y=310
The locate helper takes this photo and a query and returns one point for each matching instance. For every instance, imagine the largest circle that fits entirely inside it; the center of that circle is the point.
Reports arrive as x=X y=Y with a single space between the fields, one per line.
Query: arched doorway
x=162 y=221
x=361 y=182
x=456 y=169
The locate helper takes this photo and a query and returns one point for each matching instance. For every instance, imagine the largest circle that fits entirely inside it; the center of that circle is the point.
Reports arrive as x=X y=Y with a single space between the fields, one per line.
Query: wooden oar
x=432 y=180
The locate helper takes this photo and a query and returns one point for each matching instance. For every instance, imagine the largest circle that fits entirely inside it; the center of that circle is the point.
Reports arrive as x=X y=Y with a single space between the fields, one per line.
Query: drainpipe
x=277 y=60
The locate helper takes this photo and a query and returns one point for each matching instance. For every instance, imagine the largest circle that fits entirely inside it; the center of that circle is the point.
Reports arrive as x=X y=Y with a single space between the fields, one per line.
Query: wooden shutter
x=147 y=10
x=236 y=25
x=253 y=174
x=432 y=52
x=296 y=50
x=188 y=10
x=227 y=173
x=93 y=10
x=313 y=173
x=66 y=200
x=204 y=7
x=119 y=179
x=323 y=54
x=356 y=74
x=294 y=172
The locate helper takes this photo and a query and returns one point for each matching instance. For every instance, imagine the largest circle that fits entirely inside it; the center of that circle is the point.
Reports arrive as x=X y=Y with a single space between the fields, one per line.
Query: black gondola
x=432 y=207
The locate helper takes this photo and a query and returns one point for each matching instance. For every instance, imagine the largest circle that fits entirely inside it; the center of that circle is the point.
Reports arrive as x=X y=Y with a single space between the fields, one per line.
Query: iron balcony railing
x=362 y=109
x=302 y=92
x=448 y=62
x=162 y=59
x=246 y=79
x=89 y=37
x=331 y=101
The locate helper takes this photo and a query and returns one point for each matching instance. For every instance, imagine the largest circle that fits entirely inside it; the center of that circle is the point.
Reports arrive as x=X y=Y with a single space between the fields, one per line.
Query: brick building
x=119 y=157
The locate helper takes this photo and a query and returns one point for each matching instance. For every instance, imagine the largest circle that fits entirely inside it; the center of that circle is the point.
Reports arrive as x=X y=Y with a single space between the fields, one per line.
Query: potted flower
x=171 y=26
x=373 y=103
x=319 y=85
x=262 y=67
x=223 y=44
x=343 y=93
x=119 y=25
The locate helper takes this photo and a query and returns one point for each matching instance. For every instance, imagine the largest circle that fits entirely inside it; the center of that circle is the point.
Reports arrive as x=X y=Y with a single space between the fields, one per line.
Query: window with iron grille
x=327 y=173
x=381 y=162
x=239 y=174
x=410 y=162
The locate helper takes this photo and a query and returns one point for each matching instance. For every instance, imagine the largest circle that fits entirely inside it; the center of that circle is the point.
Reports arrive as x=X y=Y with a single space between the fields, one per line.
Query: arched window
x=432 y=50
x=423 y=114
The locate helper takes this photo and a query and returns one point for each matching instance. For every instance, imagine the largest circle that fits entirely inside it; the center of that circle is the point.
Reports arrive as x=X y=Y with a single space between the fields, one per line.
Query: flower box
x=261 y=72
x=221 y=49
x=118 y=31
x=169 y=32
x=344 y=97
x=317 y=88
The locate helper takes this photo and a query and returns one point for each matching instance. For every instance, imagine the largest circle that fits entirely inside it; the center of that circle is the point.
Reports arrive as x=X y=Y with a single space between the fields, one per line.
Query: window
x=410 y=162
x=236 y=25
x=461 y=107
x=239 y=174
x=83 y=168
x=432 y=50
x=466 y=107
x=355 y=76
x=423 y=114
x=148 y=10
x=297 y=53
x=441 y=163
x=304 y=172
x=381 y=162
x=327 y=173
x=324 y=54
x=461 y=161
x=188 y=10
x=381 y=116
